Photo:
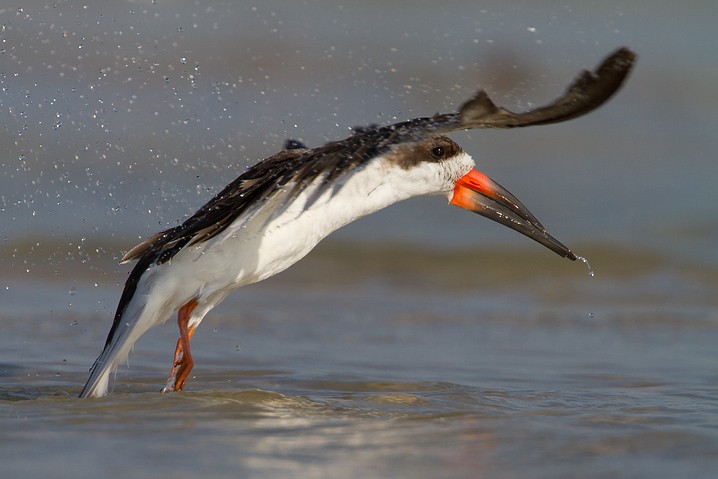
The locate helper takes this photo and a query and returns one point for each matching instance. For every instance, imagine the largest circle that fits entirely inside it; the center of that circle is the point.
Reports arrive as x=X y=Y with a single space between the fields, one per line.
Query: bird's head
x=441 y=165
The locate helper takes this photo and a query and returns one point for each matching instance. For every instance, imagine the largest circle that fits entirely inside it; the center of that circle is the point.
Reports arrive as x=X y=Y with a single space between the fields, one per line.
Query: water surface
x=419 y=342
x=540 y=374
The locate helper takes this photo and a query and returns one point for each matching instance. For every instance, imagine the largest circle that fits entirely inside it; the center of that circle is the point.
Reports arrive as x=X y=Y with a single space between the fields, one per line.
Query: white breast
x=264 y=243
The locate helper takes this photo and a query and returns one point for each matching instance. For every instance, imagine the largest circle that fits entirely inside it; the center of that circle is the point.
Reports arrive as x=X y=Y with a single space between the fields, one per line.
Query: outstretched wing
x=291 y=170
x=589 y=91
x=294 y=168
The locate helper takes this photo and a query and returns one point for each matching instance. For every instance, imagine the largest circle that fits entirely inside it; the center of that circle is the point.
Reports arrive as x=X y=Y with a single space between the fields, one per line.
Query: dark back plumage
x=290 y=171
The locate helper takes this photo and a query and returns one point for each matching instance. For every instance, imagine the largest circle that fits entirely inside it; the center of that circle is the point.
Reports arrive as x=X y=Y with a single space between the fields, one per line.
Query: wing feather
x=290 y=171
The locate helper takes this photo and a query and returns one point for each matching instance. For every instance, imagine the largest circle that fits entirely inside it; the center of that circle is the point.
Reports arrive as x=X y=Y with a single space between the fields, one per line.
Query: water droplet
x=588 y=265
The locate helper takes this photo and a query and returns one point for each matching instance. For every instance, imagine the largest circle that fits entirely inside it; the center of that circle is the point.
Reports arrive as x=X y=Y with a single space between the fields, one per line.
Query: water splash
x=588 y=265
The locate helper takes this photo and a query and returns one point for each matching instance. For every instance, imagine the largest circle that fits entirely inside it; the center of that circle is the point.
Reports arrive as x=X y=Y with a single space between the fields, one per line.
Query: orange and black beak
x=478 y=193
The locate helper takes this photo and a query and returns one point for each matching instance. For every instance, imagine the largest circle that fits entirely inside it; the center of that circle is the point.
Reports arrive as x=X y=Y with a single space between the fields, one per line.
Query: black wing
x=589 y=91
x=295 y=168
x=291 y=170
x=287 y=173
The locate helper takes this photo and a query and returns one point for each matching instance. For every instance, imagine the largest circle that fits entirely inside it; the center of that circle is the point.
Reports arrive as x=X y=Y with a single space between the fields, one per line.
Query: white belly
x=257 y=246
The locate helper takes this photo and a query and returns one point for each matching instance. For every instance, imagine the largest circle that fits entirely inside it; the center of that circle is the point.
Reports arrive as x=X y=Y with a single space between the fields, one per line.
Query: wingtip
x=134 y=253
x=626 y=53
x=96 y=386
x=589 y=90
x=621 y=60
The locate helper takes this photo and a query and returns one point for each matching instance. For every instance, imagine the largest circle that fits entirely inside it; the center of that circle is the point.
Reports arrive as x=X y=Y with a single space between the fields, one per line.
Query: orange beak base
x=478 y=193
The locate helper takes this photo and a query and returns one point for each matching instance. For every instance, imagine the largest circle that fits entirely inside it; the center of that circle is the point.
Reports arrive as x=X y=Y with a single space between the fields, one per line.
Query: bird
x=274 y=213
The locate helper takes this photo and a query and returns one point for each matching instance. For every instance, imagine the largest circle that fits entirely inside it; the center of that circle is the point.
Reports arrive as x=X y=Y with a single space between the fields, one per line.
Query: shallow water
x=542 y=374
x=419 y=342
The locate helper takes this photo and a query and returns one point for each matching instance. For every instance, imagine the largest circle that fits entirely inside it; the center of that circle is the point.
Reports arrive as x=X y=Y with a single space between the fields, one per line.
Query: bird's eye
x=437 y=152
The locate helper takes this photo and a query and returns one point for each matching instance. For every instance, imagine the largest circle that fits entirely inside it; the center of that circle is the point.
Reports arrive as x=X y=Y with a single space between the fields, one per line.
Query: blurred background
x=120 y=119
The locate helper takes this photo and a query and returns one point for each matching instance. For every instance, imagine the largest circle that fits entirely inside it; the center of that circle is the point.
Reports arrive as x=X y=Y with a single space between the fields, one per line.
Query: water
x=591 y=273
x=415 y=364
x=418 y=342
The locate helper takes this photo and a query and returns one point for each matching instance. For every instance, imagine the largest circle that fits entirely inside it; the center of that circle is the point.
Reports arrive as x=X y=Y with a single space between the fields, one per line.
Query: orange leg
x=182 y=363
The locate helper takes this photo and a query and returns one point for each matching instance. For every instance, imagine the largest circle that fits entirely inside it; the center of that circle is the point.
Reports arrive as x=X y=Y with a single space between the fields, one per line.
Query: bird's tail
x=137 y=312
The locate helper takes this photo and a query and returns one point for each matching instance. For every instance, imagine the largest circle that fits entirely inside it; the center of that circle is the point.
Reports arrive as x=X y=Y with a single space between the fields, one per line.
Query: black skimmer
x=279 y=209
